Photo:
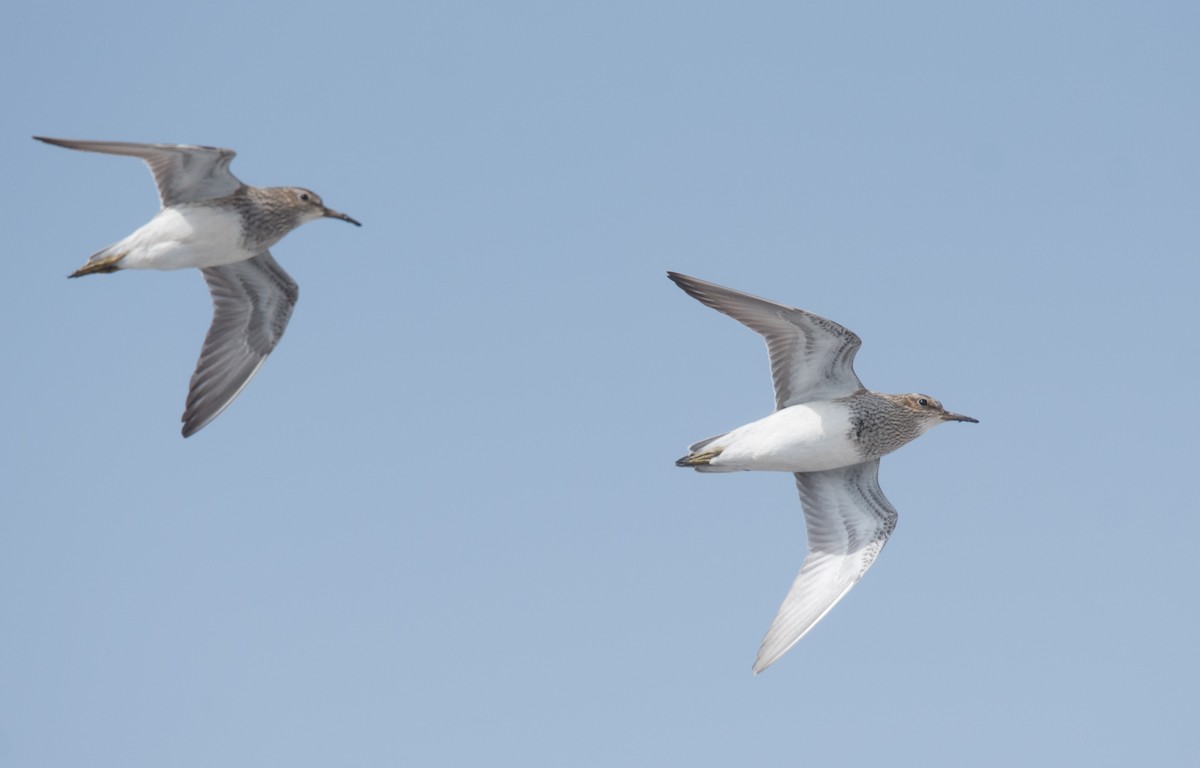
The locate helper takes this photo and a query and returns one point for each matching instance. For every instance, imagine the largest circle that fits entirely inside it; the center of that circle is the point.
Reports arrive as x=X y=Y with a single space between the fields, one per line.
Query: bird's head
x=930 y=411
x=311 y=206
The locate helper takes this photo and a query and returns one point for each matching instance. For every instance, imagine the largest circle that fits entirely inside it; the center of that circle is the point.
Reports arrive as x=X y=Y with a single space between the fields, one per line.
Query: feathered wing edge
x=252 y=303
x=848 y=521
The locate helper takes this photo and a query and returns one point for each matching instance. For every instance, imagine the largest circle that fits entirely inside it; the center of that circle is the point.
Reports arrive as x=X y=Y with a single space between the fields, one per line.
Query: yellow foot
x=697 y=459
x=107 y=264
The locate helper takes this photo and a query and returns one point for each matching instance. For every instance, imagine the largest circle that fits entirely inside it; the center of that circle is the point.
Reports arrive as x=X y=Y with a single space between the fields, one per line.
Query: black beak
x=332 y=214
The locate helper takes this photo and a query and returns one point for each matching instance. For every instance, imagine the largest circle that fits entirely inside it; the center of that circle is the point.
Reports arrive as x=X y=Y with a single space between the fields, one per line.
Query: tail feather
x=699 y=445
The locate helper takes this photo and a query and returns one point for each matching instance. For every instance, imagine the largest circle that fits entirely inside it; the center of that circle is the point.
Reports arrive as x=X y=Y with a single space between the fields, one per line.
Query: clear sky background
x=443 y=526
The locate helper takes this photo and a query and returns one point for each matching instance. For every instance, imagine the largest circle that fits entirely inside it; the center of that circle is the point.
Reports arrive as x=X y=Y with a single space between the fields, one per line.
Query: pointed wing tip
x=193 y=424
x=682 y=280
x=766 y=659
x=202 y=411
x=692 y=286
x=199 y=414
x=67 y=143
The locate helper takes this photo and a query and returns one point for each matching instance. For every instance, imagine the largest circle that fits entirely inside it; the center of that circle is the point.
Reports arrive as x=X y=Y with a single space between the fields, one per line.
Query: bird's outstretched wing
x=252 y=303
x=811 y=358
x=848 y=520
x=183 y=173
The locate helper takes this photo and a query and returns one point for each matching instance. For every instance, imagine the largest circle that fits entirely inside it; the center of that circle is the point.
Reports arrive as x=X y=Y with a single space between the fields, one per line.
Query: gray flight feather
x=252 y=303
x=182 y=172
x=811 y=358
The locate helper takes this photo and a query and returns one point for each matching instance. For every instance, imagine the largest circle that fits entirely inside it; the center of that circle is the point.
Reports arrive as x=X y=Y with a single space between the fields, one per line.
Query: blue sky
x=443 y=525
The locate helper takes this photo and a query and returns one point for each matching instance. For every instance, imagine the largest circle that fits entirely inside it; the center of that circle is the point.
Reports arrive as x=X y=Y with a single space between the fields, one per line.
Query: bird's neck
x=266 y=216
x=880 y=424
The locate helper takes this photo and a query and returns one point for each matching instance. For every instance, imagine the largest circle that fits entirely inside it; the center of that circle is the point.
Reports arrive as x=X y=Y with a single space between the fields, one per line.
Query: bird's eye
x=304 y=196
x=922 y=401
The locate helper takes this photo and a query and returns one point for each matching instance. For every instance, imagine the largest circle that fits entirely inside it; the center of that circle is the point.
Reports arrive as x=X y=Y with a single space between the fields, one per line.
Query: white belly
x=803 y=438
x=185 y=236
